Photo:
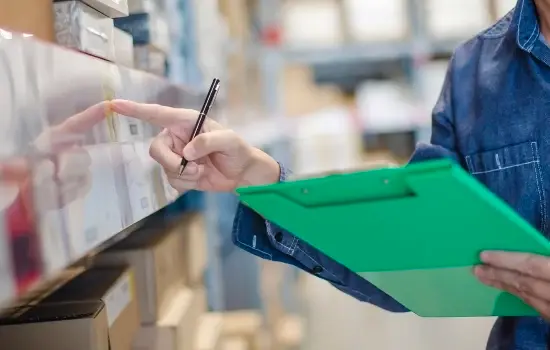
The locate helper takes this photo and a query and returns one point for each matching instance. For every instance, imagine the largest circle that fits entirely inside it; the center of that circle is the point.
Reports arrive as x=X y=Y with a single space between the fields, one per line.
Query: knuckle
x=534 y=266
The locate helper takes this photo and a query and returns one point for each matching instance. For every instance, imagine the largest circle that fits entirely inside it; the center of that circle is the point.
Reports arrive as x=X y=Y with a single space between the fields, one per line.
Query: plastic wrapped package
x=111 y=8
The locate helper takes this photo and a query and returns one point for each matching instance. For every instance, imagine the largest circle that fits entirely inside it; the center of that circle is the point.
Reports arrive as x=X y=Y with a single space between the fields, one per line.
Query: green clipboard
x=415 y=232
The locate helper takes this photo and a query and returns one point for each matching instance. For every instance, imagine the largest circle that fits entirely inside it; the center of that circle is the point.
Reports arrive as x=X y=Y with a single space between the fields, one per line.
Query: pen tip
x=182 y=168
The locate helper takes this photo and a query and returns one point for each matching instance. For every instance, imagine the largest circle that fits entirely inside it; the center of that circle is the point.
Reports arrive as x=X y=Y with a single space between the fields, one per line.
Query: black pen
x=208 y=102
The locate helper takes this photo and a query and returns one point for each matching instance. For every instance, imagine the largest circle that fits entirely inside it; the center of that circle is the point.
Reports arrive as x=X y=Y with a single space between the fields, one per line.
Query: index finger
x=162 y=116
x=529 y=264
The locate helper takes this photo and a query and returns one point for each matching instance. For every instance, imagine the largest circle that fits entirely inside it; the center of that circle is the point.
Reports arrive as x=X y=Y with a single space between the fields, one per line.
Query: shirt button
x=317 y=270
x=279 y=237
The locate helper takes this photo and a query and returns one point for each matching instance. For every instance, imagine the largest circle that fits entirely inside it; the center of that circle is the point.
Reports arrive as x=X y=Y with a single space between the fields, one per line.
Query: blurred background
x=321 y=85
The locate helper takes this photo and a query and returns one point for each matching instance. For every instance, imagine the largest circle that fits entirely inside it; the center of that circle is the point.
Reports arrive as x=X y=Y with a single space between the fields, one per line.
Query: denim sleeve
x=266 y=240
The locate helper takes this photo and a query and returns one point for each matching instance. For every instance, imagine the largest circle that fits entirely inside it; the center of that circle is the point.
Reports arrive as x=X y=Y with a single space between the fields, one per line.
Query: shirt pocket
x=514 y=174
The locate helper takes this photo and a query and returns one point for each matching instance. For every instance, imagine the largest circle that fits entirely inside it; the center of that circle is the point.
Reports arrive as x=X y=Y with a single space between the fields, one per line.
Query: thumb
x=211 y=142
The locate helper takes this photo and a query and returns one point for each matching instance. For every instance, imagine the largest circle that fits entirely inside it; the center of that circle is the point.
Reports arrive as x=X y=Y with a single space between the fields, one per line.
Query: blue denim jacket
x=493 y=117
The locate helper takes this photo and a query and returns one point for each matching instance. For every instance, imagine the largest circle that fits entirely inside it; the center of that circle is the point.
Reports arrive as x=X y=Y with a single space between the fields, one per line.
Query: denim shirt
x=493 y=118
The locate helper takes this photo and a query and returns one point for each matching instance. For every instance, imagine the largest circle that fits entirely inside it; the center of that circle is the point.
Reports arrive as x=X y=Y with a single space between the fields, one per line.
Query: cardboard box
x=156 y=257
x=302 y=96
x=124 y=48
x=28 y=16
x=110 y=8
x=235 y=343
x=193 y=230
x=209 y=333
x=115 y=287
x=177 y=327
x=82 y=28
x=247 y=325
x=64 y=326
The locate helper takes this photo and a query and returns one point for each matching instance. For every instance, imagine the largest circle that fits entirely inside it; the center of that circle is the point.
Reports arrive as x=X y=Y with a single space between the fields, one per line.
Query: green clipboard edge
x=415 y=232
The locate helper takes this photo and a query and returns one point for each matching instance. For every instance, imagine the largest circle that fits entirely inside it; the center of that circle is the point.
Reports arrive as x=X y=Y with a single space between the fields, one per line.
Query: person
x=491 y=118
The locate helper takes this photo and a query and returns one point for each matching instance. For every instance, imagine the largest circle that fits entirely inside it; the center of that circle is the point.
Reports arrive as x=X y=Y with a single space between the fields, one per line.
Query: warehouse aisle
x=336 y=321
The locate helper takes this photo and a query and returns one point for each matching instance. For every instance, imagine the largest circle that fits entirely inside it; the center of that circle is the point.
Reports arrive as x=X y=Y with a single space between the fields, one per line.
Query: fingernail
x=478 y=271
x=484 y=256
x=120 y=106
x=189 y=152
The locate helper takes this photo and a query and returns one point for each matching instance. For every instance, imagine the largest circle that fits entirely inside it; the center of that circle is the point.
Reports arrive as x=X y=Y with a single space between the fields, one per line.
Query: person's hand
x=219 y=160
x=524 y=275
x=62 y=168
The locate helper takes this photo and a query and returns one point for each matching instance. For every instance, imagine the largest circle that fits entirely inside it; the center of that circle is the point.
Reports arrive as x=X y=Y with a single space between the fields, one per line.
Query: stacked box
x=80 y=27
x=377 y=21
x=312 y=23
x=449 y=19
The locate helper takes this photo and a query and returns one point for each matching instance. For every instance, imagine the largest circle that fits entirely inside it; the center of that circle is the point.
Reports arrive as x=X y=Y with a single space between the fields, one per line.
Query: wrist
x=262 y=170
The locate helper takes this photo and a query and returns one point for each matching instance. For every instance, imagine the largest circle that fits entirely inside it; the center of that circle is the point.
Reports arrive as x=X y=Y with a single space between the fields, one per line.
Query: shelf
x=72 y=174
x=370 y=52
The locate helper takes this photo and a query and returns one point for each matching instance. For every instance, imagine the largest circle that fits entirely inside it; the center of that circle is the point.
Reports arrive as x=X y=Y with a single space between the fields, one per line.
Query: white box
x=371 y=20
x=451 y=19
x=124 y=48
x=111 y=8
x=431 y=76
x=138 y=181
x=92 y=219
x=150 y=59
x=141 y=6
x=385 y=106
x=311 y=23
x=80 y=27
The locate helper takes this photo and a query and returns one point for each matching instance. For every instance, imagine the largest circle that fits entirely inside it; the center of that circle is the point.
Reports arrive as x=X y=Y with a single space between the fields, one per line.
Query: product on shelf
x=312 y=23
x=450 y=19
x=80 y=27
x=247 y=325
x=235 y=343
x=92 y=219
x=150 y=59
x=147 y=29
x=193 y=229
x=110 y=8
x=34 y=17
x=177 y=327
x=124 y=48
x=377 y=21
x=61 y=326
x=141 y=6
x=115 y=287
x=156 y=256
x=209 y=332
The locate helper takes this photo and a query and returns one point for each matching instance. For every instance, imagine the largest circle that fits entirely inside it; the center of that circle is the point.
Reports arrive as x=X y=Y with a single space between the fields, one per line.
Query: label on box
x=118 y=297
x=138 y=187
